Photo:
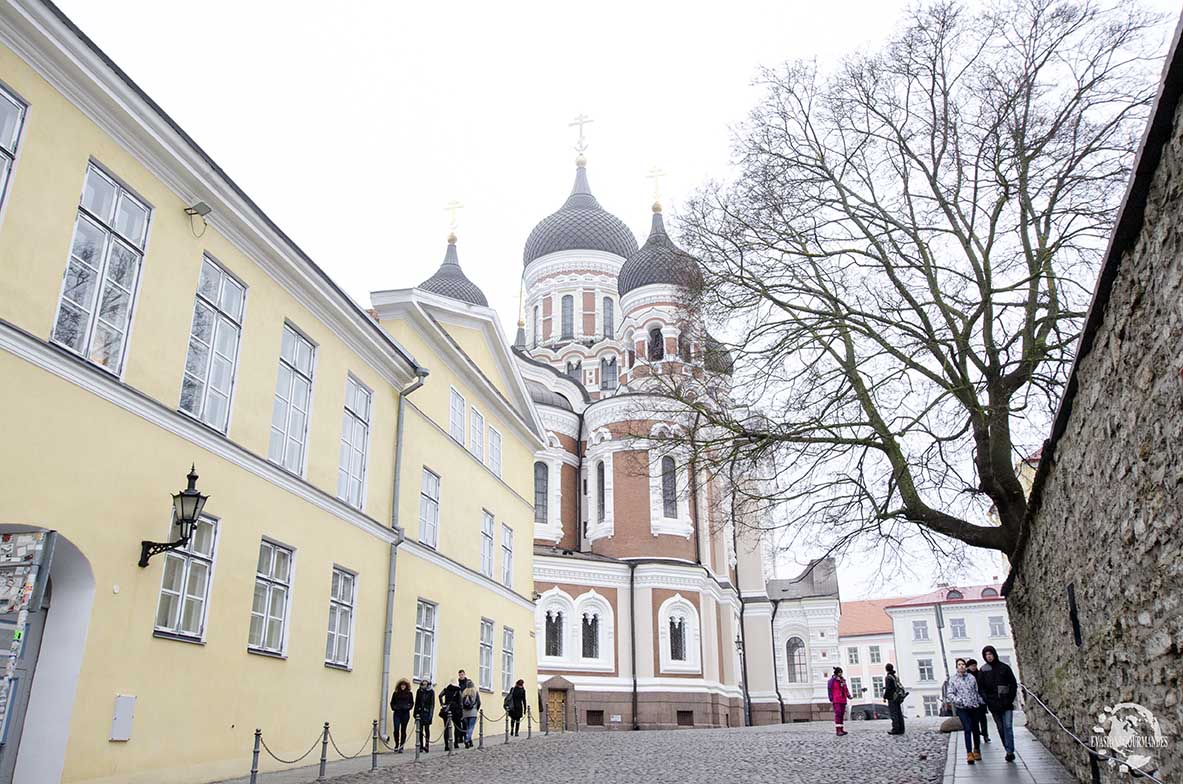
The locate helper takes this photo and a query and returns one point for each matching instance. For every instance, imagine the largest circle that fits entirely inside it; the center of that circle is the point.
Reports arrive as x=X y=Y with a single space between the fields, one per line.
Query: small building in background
x=866 y=643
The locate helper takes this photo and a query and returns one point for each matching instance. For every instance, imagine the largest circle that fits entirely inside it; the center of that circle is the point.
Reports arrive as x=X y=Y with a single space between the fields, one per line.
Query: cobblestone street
x=785 y=754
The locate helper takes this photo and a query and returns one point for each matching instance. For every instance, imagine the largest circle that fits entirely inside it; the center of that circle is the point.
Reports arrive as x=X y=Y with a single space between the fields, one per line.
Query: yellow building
x=152 y=318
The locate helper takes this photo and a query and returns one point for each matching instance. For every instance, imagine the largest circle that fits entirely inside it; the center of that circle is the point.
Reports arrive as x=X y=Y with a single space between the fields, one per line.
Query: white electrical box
x=125 y=711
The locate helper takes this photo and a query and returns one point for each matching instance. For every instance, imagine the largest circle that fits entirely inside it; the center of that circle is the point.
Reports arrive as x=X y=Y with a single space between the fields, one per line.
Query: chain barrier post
x=255 y=757
x=529 y=722
x=418 y=737
x=374 y=749
x=324 y=752
x=480 y=743
x=507 y=726
x=449 y=734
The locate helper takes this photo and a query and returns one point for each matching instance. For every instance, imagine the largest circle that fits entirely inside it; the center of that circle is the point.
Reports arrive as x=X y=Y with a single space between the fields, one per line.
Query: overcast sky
x=354 y=125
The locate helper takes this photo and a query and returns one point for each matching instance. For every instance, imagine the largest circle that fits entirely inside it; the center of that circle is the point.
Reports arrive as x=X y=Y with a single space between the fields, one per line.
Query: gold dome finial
x=451 y=238
x=657 y=206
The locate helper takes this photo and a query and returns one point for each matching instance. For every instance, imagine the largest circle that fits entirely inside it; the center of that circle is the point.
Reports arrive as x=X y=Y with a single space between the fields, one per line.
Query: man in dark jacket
x=424 y=708
x=452 y=714
x=998 y=686
x=893 y=692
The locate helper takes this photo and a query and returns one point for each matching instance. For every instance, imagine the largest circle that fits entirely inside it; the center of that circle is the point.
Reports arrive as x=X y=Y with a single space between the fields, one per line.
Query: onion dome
x=580 y=224
x=450 y=281
x=659 y=261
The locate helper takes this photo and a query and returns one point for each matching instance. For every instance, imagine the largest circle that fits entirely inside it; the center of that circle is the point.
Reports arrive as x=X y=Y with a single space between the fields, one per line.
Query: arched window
x=989 y=593
x=684 y=347
x=541 y=493
x=600 y=491
x=656 y=345
x=609 y=318
x=568 y=317
x=554 y=633
x=591 y=635
x=609 y=376
x=632 y=358
x=795 y=649
x=669 y=487
x=575 y=370
x=537 y=326
x=954 y=594
x=677 y=638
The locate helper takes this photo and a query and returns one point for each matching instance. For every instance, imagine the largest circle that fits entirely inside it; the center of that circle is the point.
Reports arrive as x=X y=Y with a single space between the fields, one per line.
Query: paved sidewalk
x=1033 y=764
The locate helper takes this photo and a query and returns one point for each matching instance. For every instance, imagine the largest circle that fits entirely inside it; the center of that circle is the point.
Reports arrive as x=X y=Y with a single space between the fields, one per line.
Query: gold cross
x=656 y=174
x=580 y=120
x=452 y=207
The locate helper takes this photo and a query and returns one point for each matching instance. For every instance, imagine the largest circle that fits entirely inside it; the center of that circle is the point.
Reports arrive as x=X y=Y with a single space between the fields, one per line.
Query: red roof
x=969 y=593
x=866 y=617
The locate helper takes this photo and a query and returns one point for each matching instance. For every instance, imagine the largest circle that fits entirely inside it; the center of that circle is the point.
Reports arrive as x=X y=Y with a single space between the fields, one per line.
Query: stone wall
x=1109 y=520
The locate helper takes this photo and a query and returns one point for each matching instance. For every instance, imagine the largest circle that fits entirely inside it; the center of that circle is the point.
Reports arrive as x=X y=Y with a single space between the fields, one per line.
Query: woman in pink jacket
x=839 y=695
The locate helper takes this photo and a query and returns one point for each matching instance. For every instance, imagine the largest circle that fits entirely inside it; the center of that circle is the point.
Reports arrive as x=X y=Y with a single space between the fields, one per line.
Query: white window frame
x=487 y=526
x=1001 y=625
x=679 y=606
x=10 y=147
x=355 y=416
x=485 y=659
x=495 y=450
x=476 y=433
x=856 y=688
x=426 y=641
x=271 y=583
x=111 y=238
x=931 y=705
x=852 y=655
x=958 y=625
x=923 y=665
x=564 y=333
x=457 y=410
x=296 y=373
x=874 y=654
x=343 y=606
x=188 y=556
x=506 y=555
x=221 y=319
x=658 y=522
x=878 y=685
x=917 y=628
x=429 y=526
x=507 y=679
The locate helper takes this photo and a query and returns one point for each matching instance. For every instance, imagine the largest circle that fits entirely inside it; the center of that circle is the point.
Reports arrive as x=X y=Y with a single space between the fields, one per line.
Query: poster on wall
x=23 y=559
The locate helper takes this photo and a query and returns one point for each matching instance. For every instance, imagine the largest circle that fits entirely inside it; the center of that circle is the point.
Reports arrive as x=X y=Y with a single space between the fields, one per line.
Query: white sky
x=353 y=128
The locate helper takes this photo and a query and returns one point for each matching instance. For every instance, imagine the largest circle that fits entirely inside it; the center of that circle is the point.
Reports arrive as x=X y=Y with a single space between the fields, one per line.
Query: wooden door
x=556 y=710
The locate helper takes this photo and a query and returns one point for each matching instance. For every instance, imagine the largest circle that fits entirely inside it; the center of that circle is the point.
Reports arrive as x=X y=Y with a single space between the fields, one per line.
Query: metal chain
x=333 y=741
x=289 y=762
x=499 y=718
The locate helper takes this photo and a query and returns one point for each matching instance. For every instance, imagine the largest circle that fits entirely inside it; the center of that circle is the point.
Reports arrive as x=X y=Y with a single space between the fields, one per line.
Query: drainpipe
x=694 y=491
x=387 y=638
x=775 y=669
x=580 y=491
x=632 y=634
x=743 y=638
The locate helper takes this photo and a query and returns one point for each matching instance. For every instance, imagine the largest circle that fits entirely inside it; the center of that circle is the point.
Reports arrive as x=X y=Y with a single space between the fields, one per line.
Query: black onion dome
x=659 y=261
x=450 y=281
x=580 y=224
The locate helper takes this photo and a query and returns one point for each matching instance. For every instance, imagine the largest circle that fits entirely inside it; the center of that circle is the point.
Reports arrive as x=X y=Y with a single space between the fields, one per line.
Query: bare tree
x=900 y=268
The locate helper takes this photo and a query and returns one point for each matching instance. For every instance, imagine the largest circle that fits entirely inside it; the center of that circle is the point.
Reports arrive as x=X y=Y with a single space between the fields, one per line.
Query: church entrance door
x=556 y=710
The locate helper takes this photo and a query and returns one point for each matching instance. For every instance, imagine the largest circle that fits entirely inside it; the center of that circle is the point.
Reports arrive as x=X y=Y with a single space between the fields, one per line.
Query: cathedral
x=654 y=610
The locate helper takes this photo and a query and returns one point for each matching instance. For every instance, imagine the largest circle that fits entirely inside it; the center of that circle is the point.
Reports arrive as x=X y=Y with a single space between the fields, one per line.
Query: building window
x=269 y=610
x=355 y=435
x=656 y=345
x=669 y=488
x=989 y=593
x=568 y=312
x=341 y=593
x=554 y=633
x=541 y=493
x=877 y=686
x=184 y=587
x=293 y=397
x=957 y=628
x=997 y=626
x=919 y=630
x=684 y=347
x=924 y=667
x=609 y=375
x=487 y=544
x=856 y=688
x=537 y=326
x=600 y=505
x=213 y=346
x=485 y=662
x=476 y=436
x=429 y=509
x=677 y=638
x=424 y=659
x=99 y=288
x=12 y=117
x=506 y=555
x=456 y=416
x=874 y=652
x=609 y=318
x=852 y=655
x=494 y=451
x=506 y=659
x=795 y=657
x=575 y=371
x=954 y=595
x=932 y=705
x=591 y=635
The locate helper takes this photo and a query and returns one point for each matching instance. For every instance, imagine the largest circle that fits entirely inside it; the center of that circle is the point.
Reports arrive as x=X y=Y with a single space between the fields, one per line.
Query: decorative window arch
x=609 y=373
x=596 y=632
x=656 y=345
x=609 y=318
x=798 y=671
x=541 y=493
x=555 y=610
x=954 y=594
x=989 y=593
x=679 y=635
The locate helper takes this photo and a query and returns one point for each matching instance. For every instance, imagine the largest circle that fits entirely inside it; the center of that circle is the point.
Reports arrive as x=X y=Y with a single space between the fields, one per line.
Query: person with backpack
x=402 y=702
x=451 y=713
x=515 y=706
x=894 y=693
x=424 y=708
x=470 y=705
x=999 y=687
x=962 y=691
x=839 y=696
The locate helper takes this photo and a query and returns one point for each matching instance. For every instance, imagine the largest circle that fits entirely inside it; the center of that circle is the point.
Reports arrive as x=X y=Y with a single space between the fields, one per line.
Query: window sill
x=336 y=666
x=268 y=654
x=485 y=690
x=163 y=635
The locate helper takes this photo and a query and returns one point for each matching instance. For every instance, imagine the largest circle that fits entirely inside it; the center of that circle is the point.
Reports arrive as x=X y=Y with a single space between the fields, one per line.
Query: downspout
x=694 y=491
x=743 y=639
x=388 y=637
x=775 y=668
x=632 y=634
x=580 y=490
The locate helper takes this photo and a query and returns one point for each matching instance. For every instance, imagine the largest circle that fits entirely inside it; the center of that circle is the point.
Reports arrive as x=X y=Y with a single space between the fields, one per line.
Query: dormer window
x=954 y=594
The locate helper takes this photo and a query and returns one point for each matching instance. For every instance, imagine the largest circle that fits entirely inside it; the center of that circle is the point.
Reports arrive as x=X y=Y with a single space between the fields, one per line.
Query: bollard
x=449 y=736
x=374 y=751
x=480 y=743
x=324 y=752
x=255 y=757
x=529 y=722
x=507 y=727
x=418 y=737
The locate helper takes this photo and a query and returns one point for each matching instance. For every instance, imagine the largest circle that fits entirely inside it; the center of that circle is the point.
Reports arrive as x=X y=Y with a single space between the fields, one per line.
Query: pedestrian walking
x=451 y=713
x=402 y=702
x=424 y=710
x=894 y=694
x=983 y=720
x=470 y=704
x=999 y=687
x=516 y=706
x=962 y=691
x=839 y=696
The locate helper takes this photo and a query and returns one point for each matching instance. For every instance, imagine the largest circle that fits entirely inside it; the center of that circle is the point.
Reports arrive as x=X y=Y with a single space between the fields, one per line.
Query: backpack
x=508 y=703
x=468 y=702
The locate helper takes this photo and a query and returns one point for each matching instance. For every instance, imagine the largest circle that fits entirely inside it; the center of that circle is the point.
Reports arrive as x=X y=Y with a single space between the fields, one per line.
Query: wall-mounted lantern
x=187 y=506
